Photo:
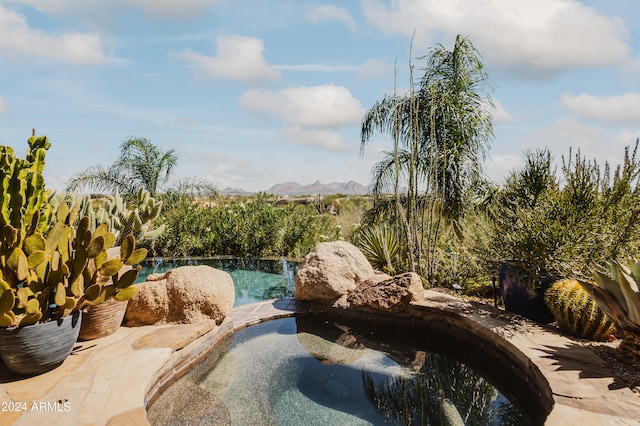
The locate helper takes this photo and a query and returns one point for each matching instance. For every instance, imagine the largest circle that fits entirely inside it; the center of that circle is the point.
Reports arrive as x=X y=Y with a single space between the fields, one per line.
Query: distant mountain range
x=294 y=188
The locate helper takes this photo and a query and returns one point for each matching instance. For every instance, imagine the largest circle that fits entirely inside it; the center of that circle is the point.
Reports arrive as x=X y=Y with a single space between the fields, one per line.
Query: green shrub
x=349 y=211
x=457 y=262
x=251 y=226
x=562 y=225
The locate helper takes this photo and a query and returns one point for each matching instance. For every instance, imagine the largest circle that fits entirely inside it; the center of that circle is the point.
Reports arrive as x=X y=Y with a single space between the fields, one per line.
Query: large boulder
x=199 y=293
x=150 y=305
x=185 y=295
x=392 y=295
x=330 y=270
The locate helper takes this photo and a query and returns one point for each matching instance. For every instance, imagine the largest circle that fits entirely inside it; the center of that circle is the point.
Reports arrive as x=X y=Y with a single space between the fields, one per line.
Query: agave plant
x=618 y=295
x=379 y=244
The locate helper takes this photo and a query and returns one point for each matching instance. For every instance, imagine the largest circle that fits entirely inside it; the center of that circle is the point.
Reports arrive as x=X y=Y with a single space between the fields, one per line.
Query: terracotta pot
x=102 y=320
x=38 y=348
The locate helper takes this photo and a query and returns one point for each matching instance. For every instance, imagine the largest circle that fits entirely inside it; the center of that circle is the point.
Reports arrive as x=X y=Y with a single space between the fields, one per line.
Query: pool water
x=254 y=279
x=314 y=371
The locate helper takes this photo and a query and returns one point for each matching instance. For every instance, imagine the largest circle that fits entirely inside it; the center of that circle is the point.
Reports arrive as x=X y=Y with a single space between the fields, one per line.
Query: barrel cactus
x=616 y=291
x=575 y=311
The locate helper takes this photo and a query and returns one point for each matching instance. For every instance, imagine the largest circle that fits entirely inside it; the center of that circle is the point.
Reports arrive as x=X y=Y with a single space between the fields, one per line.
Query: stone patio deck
x=110 y=381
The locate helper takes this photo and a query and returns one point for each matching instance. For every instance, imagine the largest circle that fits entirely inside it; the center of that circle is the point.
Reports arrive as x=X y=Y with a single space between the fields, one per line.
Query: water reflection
x=312 y=371
x=431 y=388
x=442 y=392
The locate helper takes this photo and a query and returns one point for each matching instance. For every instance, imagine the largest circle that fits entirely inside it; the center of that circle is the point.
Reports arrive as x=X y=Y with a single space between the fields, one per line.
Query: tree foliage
x=141 y=164
x=441 y=130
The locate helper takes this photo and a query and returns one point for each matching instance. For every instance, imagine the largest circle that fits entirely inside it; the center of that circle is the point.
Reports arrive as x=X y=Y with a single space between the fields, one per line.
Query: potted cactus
x=103 y=315
x=103 y=319
x=49 y=273
x=617 y=293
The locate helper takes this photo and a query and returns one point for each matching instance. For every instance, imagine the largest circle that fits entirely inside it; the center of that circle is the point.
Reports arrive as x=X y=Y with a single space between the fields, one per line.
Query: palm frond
x=99 y=179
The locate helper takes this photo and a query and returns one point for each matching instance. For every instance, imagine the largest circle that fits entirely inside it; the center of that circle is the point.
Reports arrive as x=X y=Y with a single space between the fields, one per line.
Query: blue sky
x=255 y=92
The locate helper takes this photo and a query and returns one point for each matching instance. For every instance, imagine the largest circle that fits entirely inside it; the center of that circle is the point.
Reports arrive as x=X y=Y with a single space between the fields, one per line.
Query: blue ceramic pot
x=523 y=295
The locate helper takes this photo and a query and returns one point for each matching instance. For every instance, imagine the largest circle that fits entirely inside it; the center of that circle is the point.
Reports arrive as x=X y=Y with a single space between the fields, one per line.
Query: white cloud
x=3 y=106
x=500 y=113
x=369 y=69
x=223 y=169
x=618 y=109
x=317 y=68
x=374 y=68
x=171 y=9
x=17 y=38
x=563 y=135
x=498 y=166
x=315 y=137
x=315 y=106
x=593 y=142
x=533 y=37
x=156 y=9
x=331 y=12
x=234 y=167
x=631 y=68
x=237 y=58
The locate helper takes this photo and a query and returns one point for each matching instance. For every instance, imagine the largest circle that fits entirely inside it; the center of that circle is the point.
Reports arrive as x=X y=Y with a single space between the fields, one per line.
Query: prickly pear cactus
x=576 y=312
x=45 y=277
x=137 y=219
x=52 y=263
x=121 y=218
x=23 y=189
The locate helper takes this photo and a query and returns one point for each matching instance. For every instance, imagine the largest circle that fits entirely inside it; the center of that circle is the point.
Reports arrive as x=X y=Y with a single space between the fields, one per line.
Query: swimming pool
x=253 y=279
x=319 y=371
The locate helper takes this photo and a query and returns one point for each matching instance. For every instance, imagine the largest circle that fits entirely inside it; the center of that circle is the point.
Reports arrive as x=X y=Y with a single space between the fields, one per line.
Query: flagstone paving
x=110 y=381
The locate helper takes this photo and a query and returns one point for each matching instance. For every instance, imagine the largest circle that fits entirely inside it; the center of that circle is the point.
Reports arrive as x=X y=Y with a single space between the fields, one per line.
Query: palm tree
x=140 y=164
x=460 y=124
x=441 y=131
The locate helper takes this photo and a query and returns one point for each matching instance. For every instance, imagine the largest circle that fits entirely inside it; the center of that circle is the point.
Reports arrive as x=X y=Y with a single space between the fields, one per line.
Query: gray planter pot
x=38 y=348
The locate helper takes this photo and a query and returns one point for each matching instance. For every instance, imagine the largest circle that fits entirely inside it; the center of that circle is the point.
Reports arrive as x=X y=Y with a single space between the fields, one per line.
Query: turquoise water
x=312 y=371
x=254 y=279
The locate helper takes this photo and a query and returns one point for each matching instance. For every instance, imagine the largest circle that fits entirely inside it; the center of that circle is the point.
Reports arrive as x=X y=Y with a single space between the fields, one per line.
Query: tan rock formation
x=330 y=270
x=187 y=295
x=198 y=293
x=149 y=306
x=392 y=295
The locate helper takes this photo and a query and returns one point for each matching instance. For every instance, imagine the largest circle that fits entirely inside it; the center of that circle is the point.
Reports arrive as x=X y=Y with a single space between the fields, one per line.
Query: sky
x=257 y=92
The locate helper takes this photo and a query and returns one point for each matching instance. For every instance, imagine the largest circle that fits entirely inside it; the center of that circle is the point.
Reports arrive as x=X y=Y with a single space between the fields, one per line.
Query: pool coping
x=111 y=381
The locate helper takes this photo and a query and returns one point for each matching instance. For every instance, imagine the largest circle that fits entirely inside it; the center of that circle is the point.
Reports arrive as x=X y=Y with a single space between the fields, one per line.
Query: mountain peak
x=294 y=188
x=317 y=188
